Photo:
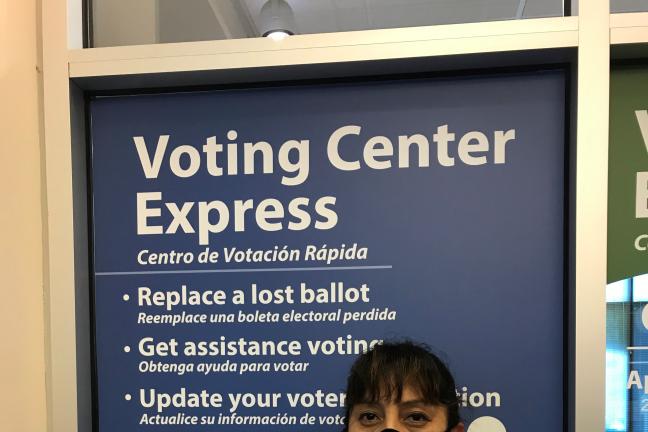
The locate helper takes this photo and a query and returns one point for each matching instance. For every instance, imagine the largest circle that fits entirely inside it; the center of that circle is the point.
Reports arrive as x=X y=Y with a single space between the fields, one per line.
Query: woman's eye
x=417 y=418
x=368 y=418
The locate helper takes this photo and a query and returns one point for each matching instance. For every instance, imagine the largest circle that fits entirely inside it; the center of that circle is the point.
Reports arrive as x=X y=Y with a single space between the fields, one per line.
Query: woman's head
x=402 y=386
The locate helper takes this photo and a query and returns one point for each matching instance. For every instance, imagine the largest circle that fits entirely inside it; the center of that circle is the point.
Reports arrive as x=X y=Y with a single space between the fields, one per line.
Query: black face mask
x=394 y=430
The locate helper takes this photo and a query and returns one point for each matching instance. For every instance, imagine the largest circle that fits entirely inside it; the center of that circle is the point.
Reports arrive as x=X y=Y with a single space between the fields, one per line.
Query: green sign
x=628 y=179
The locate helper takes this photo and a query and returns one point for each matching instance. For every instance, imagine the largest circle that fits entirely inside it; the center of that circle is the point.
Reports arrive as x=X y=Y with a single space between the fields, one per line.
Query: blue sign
x=249 y=244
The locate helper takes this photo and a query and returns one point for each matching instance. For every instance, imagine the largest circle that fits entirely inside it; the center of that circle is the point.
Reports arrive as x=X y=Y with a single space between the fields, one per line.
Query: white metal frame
x=368 y=45
x=66 y=67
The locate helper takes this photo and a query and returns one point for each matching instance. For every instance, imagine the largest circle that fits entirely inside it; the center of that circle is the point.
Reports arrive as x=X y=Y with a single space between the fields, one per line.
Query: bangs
x=382 y=374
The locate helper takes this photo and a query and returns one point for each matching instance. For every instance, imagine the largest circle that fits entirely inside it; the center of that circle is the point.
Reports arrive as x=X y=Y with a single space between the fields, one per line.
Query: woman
x=401 y=387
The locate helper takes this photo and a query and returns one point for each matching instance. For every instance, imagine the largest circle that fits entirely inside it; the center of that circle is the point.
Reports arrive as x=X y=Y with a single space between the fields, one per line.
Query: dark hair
x=382 y=372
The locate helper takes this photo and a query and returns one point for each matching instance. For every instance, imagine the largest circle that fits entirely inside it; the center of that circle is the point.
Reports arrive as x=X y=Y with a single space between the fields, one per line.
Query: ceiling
x=323 y=16
x=127 y=22
x=189 y=20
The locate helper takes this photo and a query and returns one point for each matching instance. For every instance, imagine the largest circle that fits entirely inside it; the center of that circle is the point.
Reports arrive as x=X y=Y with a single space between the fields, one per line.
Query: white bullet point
x=127 y=396
x=126 y=297
x=126 y=348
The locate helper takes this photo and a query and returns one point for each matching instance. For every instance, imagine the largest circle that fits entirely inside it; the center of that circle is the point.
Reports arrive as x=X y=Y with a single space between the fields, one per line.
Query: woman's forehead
x=406 y=393
x=411 y=393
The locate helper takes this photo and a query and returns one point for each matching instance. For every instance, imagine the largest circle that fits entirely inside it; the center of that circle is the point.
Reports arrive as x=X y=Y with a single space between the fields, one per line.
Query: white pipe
x=520 y=9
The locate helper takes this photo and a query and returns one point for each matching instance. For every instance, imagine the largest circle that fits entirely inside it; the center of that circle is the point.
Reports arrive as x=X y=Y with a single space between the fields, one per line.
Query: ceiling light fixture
x=277 y=20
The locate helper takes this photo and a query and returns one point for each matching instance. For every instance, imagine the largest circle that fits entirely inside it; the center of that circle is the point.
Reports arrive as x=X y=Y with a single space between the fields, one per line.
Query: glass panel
x=618 y=330
x=629 y=5
x=627 y=355
x=127 y=22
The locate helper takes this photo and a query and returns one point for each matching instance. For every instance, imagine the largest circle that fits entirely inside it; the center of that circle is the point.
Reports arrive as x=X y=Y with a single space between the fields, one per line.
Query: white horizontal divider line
x=245 y=270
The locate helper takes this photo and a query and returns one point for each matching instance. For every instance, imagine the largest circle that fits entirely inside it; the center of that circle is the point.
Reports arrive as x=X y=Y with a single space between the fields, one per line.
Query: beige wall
x=22 y=358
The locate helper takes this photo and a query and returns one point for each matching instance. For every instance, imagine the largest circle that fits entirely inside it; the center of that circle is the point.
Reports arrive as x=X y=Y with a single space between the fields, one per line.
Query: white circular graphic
x=644 y=316
x=486 y=424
